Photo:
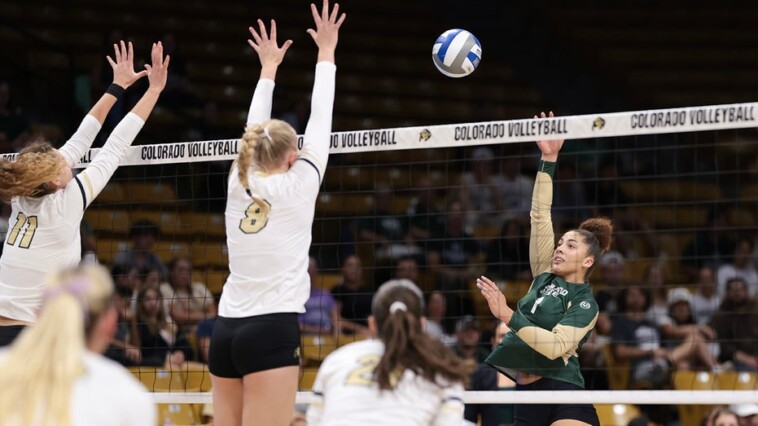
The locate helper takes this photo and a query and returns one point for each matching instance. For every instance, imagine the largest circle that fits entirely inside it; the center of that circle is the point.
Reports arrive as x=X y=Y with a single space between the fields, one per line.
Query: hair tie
x=76 y=288
x=265 y=132
x=398 y=306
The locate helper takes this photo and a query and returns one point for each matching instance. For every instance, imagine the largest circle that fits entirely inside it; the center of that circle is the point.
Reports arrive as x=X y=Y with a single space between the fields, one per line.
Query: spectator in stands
x=747 y=413
x=653 y=281
x=508 y=255
x=736 y=324
x=740 y=267
x=121 y=349
x=515 y=189
x=424 y=216
x=14 y=126
x=152 y=276
x=144 y=235
x=467 y=340
x=569 y=199
x=407 y=268
x=386 y=230
x=608 y=198
x=353 y=298
x=705 y=301
x=479 y=190
x=435 y=317
x=155 y=335
x=612 y=265
x=127 y=276
x=204 y=333
x=187 y=302
x=681 y=328
x=636 y=339
x=486 y=378
x=711 y=246
x=321 y=311
x=455 y=258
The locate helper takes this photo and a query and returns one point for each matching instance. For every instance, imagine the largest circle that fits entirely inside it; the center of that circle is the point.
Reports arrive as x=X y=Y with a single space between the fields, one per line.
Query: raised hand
x=157 y=72
x=265 y=45
x=123 y=66
x=327 y=29
x=495 y=299
x=550 y=148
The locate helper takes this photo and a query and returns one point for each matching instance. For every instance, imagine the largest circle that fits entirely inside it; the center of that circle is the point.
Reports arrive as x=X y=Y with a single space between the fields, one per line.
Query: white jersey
x=44 y=232
x=107 y=395
x=268 y=255
x=348 y=395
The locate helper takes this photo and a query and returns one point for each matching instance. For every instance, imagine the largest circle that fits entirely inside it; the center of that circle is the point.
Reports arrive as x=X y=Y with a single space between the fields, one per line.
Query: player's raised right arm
x=542 y=238
x=271 y=56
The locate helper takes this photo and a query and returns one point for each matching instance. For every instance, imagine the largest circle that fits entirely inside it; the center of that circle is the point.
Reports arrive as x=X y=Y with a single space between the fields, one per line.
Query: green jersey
x=554 y=319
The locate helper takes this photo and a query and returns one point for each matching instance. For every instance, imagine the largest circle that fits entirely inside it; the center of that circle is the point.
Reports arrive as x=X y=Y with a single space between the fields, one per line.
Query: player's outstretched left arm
x=271 y=56
x=123 y=77
x=318 y=130
x=94 y=178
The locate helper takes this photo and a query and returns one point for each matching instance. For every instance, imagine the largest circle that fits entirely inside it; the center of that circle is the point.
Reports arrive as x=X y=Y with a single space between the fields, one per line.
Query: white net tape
x=656 y=397
x=632 y=123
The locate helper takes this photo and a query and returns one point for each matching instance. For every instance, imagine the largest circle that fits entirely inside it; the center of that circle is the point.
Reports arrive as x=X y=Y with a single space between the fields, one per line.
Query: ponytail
x=37 y=376
x=264 y=146
x=597 y=235
x=397 y=308
x=29 y=176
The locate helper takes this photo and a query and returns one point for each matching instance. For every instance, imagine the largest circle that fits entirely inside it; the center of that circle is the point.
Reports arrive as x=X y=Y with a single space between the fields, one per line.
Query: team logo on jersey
x=425 y=135
x=296 y=355
x=585 y=305
x=553 y=290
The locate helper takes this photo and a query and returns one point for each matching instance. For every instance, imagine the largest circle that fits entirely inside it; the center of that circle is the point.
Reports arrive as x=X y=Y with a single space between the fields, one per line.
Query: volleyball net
x=444 y=204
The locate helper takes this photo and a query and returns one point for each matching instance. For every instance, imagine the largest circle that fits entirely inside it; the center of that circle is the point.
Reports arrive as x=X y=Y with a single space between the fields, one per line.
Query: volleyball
x=456 y=53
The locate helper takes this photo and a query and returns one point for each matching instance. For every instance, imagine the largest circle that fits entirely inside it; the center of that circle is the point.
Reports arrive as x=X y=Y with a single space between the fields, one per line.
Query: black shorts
x=546 y=414
x=241 y=346
x=8 y=334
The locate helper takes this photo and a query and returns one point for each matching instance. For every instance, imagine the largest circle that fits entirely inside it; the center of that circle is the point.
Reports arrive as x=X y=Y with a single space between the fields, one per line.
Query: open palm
x=123 y=65
x=265 y=45
x=549 y=148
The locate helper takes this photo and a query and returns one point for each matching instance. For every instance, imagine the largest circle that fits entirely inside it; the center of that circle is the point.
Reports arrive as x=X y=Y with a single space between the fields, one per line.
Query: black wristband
x=547 y=167
x=115 y=90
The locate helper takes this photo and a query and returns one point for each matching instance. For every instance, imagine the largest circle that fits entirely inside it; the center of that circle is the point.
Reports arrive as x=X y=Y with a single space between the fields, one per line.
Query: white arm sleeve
x=451 y=407
x=81 y=140
x=260 y=106
x=317 y=132
x=88 y=184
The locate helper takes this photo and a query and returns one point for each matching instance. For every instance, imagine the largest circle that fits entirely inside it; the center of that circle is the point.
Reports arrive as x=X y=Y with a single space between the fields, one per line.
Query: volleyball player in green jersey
x=554 y=319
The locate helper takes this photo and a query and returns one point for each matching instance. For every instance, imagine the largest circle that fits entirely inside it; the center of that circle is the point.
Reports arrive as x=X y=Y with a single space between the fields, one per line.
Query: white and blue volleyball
x=456 y=53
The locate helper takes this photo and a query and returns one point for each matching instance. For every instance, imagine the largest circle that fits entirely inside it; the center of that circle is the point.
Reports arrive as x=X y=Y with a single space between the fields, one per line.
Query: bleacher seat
x=616 y=414
x=693 y=380
x=177 y=414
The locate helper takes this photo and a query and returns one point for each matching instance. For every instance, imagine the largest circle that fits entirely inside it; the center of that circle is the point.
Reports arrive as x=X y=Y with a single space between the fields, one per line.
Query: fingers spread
x=341 y=20
x=117 y=53
x=262 y=27
x=110 y=61
x=316 y=16
x=333 y=16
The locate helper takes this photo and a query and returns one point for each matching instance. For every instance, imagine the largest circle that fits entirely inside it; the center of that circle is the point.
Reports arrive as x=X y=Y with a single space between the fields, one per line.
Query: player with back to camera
x=54 y=373
x=556 y=316
x=405 y=377
x=255 y=346
x=48 y=203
